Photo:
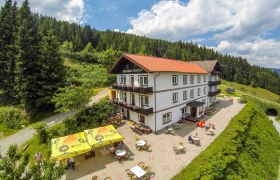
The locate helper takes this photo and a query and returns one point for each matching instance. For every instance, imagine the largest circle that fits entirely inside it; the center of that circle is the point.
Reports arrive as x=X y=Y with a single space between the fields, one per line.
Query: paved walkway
x=24 y=135
x=165 y=164
x=275 y=123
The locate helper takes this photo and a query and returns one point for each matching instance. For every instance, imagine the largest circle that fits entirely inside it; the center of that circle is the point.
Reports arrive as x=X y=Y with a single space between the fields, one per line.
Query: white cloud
x=68 y=10
x=239 y=26
x=174 y=20
x=263 y=52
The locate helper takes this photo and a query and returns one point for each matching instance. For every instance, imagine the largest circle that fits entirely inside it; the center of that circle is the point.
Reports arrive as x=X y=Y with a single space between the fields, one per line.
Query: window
x=198 y=78
x=166 y=118
x=122 y=80
x=192 y=79
x=204 y=90
x=132 y=99
x=198 y=92
x=184 y=110
x=143 y=80
x=175 y=80
x=185 y=95
x=204 y=101
x=144 y=101
x=192 y=93
x=204 y=77
x=123 y=96
x=175 y=97
x=131 y=80
x=185 y=79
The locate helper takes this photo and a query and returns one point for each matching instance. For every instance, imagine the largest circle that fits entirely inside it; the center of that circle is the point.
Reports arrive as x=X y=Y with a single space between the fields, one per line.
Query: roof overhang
x=195 y=104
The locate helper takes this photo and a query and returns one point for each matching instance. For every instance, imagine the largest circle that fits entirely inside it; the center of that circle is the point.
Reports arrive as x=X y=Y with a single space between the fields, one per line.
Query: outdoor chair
x=108 y=178
x=141 y=164
x=147 y=169
x=95 y=178
x=176 y=150
x=133 y=177
x=129 y=172
x=147 y=147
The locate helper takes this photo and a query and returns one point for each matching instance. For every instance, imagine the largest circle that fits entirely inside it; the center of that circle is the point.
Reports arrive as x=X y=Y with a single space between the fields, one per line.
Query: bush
x=87 y=118
x=13 y=117
x=42 y=132
x=249 y=148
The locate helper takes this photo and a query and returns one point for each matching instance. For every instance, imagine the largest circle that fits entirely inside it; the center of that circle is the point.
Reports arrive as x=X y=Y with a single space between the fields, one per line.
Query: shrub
x=89 y=117
x=13 y=117
x=42 y=132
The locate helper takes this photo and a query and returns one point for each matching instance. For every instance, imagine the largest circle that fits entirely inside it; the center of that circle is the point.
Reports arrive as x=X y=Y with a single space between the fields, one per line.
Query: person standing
x=72 y=162
x=38 y=156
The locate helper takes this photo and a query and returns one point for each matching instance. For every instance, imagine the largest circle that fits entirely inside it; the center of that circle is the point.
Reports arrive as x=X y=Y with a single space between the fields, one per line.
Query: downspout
x=155 y=89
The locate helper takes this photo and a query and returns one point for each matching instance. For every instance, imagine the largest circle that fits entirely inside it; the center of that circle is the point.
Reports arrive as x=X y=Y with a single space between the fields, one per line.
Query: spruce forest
x=32 y=48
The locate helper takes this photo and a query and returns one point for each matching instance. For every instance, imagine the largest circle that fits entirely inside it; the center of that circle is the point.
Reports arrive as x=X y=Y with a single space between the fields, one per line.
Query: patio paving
x=164 y=162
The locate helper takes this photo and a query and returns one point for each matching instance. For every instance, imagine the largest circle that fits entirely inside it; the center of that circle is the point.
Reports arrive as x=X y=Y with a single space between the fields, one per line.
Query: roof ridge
x=156 y=57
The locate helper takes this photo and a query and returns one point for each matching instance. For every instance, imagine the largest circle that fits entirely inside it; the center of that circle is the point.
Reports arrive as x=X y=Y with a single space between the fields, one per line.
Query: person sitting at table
x=113 y=150
x=120 y=145
x=190 y=139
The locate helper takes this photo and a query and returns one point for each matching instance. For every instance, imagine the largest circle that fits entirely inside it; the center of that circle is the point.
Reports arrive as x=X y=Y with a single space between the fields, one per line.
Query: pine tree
x=51 y=70
x=8 y=29
x=28 y=70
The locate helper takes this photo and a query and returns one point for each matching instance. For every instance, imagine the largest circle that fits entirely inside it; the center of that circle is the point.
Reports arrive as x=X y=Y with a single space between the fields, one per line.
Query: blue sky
x=247 y=28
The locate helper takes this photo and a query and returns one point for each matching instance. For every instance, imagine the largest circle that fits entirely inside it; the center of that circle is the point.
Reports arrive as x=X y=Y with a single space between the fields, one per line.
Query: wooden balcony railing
x=142 y=90
x=213 y=83
x=144 y=111
x=218 y=91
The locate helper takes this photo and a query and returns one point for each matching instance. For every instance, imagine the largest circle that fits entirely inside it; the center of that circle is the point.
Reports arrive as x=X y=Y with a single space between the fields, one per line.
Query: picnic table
x=138 y=171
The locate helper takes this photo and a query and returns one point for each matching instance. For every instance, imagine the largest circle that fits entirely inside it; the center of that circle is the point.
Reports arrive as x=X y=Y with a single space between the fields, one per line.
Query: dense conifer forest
x=32 y=47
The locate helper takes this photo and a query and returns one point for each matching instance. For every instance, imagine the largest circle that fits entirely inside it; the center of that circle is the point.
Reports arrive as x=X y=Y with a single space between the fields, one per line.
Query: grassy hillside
x=241 y=89
x=249 y=148
x=262 y=97
x=87 y=74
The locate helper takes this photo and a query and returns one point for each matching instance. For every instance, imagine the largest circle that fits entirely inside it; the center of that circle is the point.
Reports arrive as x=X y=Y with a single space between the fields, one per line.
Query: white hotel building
x=159 y=91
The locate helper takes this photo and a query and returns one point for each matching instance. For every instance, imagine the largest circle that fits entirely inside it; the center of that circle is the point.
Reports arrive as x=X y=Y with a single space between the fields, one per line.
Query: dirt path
x=24 y=135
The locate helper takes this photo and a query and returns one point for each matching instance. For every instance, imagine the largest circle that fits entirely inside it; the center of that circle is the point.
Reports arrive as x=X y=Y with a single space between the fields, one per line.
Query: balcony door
x=131 y=80
x=132 y=99
x=143 y=80
x=144 y=101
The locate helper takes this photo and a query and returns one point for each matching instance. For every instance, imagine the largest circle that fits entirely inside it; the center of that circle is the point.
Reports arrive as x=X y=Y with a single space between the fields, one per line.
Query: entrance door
x=142 y=119
x=193 y=111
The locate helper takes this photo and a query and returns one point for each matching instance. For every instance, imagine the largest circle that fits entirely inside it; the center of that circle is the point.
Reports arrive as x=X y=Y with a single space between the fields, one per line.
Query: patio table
x=120 y=152
x=140 y=143
x=139 y=172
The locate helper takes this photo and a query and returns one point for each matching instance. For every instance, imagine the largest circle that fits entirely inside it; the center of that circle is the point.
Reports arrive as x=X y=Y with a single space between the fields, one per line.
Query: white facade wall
x=165 y=90
x=136 y=78
x=176 y=115
x=162 y=101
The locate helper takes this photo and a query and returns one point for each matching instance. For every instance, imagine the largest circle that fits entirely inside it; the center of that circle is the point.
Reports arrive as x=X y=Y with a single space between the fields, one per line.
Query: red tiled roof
x=156 y=64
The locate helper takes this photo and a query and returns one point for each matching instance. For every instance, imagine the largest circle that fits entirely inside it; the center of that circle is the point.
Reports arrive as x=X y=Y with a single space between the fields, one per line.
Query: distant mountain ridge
x=276 y=70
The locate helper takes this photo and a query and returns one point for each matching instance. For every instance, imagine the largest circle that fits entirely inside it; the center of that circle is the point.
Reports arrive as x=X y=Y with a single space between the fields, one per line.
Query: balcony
x=144 y=111
x=214 y=83
x=218 y=91
x=142 y=90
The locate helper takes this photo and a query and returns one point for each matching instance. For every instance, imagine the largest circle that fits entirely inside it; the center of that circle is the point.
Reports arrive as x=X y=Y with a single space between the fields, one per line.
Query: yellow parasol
x=102 y=136
x=68 y=146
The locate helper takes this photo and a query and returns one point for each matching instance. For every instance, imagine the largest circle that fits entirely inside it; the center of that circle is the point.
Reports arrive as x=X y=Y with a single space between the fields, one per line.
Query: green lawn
x=35 y=145
x=244 y=150
x=243 y=89
x=5 y=131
